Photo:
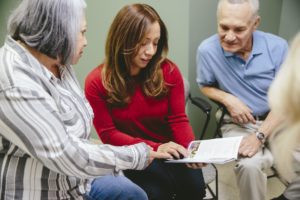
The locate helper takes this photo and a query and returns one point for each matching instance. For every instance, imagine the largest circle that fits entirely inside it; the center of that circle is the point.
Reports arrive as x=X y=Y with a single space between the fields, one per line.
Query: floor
x=228 y=188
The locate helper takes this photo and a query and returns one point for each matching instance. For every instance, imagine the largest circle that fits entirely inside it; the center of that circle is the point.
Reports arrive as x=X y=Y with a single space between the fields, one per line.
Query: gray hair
x=49 y=26
x=253 y=3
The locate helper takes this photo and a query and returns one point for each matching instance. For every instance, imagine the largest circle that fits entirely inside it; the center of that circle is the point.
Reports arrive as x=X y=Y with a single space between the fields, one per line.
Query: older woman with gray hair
x=45 y=120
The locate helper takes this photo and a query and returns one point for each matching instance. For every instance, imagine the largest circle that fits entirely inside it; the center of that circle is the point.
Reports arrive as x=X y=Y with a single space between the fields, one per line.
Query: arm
x=33 y=123
x=250 y=144
x=206 y=79
x=177 y=118
x=239 y=111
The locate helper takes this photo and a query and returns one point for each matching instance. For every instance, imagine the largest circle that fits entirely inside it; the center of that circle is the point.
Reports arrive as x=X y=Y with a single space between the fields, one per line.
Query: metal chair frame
x=206 y=108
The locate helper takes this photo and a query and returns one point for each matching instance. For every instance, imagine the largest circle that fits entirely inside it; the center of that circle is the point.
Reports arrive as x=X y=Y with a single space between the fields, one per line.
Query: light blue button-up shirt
x=247 y=80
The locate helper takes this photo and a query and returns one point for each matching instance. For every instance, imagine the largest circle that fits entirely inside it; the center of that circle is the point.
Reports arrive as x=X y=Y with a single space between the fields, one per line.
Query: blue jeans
x=115 y=188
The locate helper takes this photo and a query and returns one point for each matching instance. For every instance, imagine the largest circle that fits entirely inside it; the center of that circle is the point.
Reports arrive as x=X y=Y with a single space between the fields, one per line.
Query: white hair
x=253 y=3
x=49 y=26
x=284 y=100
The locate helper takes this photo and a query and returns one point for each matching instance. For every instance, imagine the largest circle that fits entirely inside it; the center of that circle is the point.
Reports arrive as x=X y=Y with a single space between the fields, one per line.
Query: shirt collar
x=256 y=49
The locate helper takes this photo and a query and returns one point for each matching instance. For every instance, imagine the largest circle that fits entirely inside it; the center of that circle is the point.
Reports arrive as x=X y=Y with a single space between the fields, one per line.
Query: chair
x=210 y=172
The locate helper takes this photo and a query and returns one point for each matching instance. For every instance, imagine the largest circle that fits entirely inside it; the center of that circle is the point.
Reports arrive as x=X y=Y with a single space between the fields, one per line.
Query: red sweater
x=144 y=119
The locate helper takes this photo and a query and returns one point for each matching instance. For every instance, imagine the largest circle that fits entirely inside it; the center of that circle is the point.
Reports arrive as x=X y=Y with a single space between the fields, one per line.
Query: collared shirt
x=45 y=125
x=247 y=80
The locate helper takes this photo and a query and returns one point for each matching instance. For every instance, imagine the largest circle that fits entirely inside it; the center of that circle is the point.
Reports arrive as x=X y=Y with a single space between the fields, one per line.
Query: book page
x=219 y=151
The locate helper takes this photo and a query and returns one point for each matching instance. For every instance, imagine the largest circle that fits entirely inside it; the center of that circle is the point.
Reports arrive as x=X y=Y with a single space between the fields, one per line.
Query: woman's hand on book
x=158 y=155
x=173 y=149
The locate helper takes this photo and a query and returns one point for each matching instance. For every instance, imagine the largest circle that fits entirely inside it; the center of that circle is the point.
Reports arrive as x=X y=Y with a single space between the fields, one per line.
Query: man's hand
x=249 y=146
x=175 y=150
x=240 y=113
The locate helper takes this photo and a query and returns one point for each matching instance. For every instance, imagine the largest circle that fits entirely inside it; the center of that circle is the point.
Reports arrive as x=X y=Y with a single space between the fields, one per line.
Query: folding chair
x=210 y=172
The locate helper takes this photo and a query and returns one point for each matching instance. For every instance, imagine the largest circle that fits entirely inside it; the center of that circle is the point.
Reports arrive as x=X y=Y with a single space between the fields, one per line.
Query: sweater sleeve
x=103 y=122
x=177 y=118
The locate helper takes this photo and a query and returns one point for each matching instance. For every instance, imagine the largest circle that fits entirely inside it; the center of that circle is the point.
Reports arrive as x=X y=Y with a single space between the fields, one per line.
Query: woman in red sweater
x=137 y=95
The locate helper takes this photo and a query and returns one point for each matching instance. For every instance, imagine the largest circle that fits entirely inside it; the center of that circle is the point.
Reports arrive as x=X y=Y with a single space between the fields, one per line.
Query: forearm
x=270 y=124
x=215 y=94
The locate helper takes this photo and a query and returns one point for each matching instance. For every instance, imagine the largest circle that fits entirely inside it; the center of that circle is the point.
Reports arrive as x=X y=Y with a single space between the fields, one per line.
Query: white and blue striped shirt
x=45 y=125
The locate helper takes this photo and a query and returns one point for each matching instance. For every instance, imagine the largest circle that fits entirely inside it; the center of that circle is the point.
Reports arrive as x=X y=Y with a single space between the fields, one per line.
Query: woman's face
x=147 y=49
x=81 y=42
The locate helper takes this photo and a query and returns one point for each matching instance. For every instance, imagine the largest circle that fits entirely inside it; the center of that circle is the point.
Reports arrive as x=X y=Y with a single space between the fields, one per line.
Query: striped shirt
x=45 y=125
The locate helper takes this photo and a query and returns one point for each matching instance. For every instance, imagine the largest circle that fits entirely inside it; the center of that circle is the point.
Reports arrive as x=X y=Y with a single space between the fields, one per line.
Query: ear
x=257 y=22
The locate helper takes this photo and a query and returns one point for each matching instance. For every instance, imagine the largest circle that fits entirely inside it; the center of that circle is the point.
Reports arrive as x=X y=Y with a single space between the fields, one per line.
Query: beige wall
x=289 y=21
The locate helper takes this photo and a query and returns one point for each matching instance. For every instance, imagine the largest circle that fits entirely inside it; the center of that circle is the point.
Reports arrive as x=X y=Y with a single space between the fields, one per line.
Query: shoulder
x=273 y=41
x=213 y=42
x=94 y=75
x=93 y=80
x=171 y=72
x=169 y=68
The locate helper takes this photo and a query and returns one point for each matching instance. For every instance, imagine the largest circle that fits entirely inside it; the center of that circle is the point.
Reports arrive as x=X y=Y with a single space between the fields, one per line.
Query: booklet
x=218 y=151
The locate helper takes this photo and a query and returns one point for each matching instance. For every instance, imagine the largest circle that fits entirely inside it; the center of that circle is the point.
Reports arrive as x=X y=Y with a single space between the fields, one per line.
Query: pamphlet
x=218 y=151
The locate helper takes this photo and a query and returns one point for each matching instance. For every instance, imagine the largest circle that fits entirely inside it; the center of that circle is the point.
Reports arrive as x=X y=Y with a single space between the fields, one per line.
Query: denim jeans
x=115 y=188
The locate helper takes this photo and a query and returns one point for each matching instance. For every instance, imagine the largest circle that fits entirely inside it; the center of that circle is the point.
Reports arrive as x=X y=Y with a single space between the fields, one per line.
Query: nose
x=150 y=49
x=229 y=36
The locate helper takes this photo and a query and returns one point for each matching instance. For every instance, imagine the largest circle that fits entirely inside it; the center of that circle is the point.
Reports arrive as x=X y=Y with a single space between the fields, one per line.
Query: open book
x=218 y=151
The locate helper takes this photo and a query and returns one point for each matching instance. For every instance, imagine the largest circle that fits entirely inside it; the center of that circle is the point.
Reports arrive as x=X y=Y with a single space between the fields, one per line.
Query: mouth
x=145 y=60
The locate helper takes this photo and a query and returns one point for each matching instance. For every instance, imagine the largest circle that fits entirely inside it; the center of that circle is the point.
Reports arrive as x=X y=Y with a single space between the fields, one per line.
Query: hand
x=196 y=165
x=249 y=145
x=240 y=113
x=158 y=155
x=173 y=149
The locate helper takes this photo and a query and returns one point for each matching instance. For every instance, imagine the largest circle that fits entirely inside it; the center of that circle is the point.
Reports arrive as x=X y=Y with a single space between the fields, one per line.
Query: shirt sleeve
x=205 y=76
x=177 y=118
x=282 y=55
x=32 y=122
x=103 y=122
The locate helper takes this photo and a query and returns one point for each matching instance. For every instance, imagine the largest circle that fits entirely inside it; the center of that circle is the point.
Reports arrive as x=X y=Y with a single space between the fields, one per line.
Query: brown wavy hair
x=123 y=42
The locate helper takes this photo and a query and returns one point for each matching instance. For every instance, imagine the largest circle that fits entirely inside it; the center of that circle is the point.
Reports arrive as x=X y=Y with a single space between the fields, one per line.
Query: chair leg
x=215 y=195
x=216 y=183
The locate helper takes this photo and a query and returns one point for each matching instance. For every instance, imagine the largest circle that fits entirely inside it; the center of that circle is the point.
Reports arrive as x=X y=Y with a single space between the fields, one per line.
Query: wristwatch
x=261 y=137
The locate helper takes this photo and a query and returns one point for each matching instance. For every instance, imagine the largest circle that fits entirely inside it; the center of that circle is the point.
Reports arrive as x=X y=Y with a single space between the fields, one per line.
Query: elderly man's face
x=236 y=24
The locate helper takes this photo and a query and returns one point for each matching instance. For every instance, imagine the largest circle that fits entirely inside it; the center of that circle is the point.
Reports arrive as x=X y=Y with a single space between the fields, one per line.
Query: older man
x=236 y=67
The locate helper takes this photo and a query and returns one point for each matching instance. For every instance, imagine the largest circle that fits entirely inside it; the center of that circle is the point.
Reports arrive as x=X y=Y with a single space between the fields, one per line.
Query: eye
x=238 y=30
x=155 y=42
x=83 y=32
x=224 y=28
